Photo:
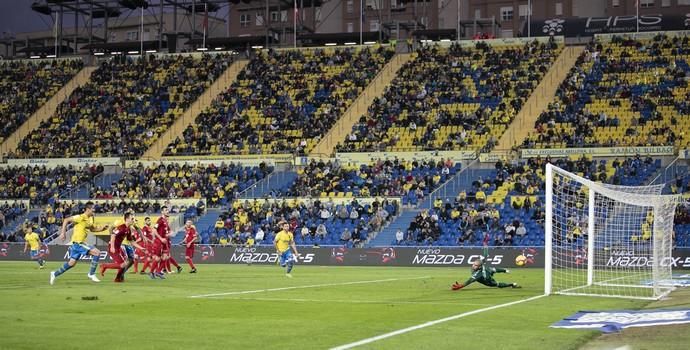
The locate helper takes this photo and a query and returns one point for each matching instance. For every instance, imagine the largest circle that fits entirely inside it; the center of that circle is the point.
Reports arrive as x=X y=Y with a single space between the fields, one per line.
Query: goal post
x=606 y=240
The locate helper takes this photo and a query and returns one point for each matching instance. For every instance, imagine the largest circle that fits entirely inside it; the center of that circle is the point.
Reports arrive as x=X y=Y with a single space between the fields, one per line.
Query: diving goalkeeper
x=484 y=275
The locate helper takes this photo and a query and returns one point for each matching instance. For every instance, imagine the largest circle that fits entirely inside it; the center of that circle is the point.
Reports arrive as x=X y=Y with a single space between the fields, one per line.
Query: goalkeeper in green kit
x=484 y=275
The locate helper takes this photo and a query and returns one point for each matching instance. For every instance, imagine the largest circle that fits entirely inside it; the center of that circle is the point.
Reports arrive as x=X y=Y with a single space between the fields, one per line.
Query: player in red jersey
x=147 y=233
x=158 y=243
x=139 y=254
x=163 y=228
x=117 y=235
x=190 y=239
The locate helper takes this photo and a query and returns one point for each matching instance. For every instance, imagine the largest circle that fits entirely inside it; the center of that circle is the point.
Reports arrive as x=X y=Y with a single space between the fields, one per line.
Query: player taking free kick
x=82 y=223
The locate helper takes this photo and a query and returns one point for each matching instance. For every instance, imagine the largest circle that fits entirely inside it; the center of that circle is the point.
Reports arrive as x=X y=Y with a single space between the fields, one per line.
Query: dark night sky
x=16 y=16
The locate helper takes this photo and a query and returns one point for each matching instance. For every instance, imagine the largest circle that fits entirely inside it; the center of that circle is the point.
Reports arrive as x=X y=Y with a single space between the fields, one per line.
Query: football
x=520 y=260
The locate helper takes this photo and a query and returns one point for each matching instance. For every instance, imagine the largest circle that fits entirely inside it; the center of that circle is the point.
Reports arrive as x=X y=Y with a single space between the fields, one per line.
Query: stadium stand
x=494 y=208
x=621 y=93
x=452 y=98
x=283 y=102
x=411 y=180
x=124 y=108
x=217 y=184
x=41 y=184
x=312 y=221
x=26 y=85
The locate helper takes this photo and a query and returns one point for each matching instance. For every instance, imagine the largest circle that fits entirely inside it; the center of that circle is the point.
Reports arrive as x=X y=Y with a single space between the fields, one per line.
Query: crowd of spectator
x=622 y=93
x=317 y=222
x=26 y=85
x=282 y=102
x=452 y=98
x=218 y=184
x=470 y=219
x=41 y=184
x=10 y=212
x=390 y=177
x=124 y=107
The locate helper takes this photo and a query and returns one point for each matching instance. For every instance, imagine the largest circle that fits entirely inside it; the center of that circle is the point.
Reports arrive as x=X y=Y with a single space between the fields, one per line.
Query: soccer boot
x=93 y=278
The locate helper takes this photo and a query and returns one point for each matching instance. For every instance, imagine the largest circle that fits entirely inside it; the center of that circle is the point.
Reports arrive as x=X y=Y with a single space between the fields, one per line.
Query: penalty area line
x=431 y=323
x=307 y=286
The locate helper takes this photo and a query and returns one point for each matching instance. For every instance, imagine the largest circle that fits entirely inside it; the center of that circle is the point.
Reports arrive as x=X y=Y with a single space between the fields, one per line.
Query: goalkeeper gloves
x=457 y=286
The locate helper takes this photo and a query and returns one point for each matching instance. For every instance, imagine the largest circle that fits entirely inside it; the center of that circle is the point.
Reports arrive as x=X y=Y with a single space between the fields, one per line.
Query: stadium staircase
x=386 y=237
x=342 y=127
x=279 y=180
x=203 y=226
x=540 y=98
x=156 y=150
x=46 y=110
x=462 y=180
x=13 y=226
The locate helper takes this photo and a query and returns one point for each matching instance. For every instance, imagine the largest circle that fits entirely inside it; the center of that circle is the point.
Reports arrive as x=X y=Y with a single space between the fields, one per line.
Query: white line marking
x=309 y=286
x=431 y=323
x=359 y=301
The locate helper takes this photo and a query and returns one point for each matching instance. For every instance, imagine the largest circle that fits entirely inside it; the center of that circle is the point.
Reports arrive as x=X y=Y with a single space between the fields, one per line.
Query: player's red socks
x=109 y=266
x=146 y=264
x=154 y=266
x=136 y=266
x=191 y=264
x=172 y=261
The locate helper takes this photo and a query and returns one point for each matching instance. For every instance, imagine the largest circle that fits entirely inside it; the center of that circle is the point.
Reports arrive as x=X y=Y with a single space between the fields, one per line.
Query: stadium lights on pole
x=202 y=49
x=141 y=31
x=151 y=51
x=529 y=18
x=218 y=48
x=56 y=33
x=445 y=40
x=133 y=52
x=116 y=53
x=34 y=56
x=257 y=47
x=457 y=22
x=51 y=56
x=99 y=53
x=331 y=44
x=361 y=19
x=369 y=42
x=351 y=43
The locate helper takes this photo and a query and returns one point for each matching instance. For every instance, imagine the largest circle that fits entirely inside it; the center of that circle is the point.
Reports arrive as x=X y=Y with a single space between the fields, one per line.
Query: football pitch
x=257 y=307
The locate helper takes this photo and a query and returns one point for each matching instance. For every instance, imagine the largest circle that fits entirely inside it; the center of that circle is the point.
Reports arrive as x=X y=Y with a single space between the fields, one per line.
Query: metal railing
x=276 y=177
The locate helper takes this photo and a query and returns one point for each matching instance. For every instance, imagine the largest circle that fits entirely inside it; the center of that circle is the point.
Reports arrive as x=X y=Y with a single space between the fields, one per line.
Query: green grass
x=146 y=314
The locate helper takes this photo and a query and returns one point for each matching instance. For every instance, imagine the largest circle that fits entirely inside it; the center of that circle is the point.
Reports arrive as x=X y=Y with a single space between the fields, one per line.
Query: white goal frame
x=651 y=281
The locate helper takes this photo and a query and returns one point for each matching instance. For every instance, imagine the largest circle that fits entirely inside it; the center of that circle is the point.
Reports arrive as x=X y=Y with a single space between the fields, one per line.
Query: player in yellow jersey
x=283 y=242
x=32 y=240
x=82 y=223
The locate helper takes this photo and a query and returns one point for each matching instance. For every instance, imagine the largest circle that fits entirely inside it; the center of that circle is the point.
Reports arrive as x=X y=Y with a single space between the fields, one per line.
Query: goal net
x=607 y=240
